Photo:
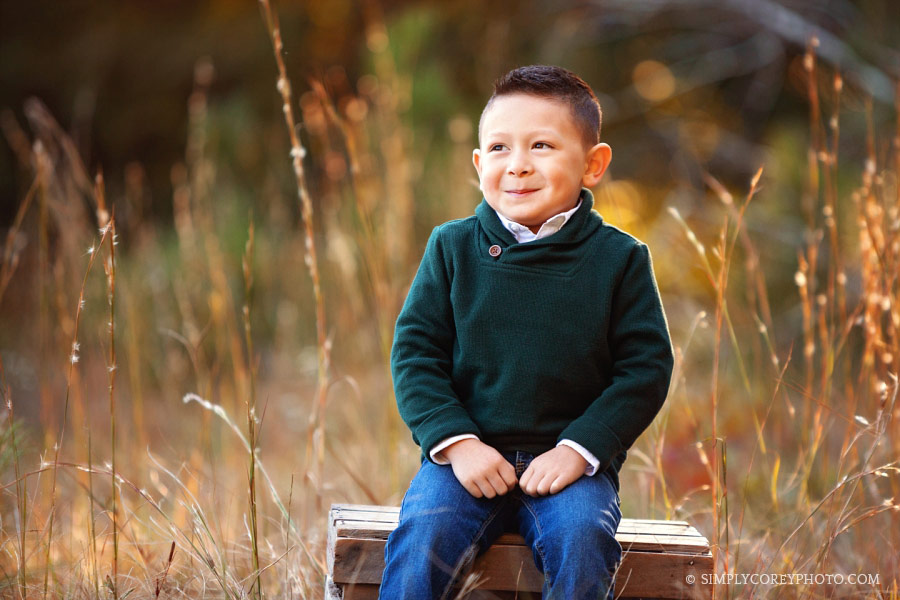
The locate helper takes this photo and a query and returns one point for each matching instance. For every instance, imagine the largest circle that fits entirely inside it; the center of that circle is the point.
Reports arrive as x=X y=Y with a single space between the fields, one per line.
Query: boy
x=531 y=352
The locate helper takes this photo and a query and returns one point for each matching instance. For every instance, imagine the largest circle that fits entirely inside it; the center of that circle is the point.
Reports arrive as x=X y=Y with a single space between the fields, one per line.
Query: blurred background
x=782 y=309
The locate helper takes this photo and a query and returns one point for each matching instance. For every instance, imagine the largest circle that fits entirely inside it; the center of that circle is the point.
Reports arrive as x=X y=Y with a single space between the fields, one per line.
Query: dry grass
x=779 y=439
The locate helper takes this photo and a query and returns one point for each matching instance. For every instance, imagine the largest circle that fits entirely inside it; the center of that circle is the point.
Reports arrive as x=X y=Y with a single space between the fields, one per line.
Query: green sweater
x=558 y=338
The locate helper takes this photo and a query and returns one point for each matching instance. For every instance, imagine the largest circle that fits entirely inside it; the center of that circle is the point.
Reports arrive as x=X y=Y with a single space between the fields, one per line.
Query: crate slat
x=626 y=526
x=391 y=513
x=506 y=567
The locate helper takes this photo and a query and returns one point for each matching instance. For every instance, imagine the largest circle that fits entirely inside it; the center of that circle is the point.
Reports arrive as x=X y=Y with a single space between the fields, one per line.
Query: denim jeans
x=443 y=527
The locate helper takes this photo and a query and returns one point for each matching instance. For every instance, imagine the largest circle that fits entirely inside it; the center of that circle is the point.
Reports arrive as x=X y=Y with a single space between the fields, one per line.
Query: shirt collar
x=552 y=225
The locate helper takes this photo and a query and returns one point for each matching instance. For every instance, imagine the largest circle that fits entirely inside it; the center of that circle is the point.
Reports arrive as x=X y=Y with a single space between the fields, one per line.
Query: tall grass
x=778 y=440
x=247 y=264
x=315 y=446
x=824 y=463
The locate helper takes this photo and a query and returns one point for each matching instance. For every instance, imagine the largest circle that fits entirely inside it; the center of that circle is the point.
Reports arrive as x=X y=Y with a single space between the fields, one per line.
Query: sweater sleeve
x=642 y=358
x=422 y=355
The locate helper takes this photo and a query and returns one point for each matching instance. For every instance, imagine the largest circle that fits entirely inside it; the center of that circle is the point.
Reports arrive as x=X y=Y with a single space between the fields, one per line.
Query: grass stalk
x=74 y=357
x=316 y=440
x=161 y=581
x=721 y=283
x=286 y=590
x=92 y=525
x=220 y=412
x=719 y=280
x=808 y=263
x=21 y=489
x=109 y=231
x=247 y=264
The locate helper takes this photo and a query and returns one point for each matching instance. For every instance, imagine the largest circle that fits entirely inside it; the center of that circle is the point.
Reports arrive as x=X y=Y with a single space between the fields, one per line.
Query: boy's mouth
x=521 y=192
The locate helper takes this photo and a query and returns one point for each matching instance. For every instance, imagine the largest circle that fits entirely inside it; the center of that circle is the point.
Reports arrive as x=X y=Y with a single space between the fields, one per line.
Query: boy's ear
x=597 y=161
x=476 y=160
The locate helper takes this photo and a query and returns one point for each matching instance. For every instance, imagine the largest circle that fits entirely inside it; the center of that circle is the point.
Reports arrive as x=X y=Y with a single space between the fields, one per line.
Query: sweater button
x=495 y=250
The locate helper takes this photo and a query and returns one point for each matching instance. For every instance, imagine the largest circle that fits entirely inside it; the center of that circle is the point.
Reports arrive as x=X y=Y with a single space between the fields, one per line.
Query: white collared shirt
x=523 y=235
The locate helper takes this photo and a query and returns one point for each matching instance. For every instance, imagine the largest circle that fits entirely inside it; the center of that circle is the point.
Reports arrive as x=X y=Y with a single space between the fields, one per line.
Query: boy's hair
x=554 y=83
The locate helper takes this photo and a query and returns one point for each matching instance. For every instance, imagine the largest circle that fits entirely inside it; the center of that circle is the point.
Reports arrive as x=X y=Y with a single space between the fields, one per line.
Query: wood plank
x=376 y=529
x=650 y=574
x=659 y=543
x=356 y=560
x=387 y=513
x=640 y=575
x=359 y=592
x=626 y=526
x=650 y=543
x=347 y=514
x=329 y=545
x=653 y=575
x=642 y=542
x=366 y=507
x=370 y=592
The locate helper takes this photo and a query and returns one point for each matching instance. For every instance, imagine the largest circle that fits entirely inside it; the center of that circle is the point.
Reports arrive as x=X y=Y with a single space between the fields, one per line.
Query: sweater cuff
x=596 y=438
x=451 y=421
x=435 y=454
x=586 y=454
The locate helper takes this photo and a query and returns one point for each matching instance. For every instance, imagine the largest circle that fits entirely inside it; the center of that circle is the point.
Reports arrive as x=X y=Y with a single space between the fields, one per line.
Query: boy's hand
x=480 y=468
x=552 y=471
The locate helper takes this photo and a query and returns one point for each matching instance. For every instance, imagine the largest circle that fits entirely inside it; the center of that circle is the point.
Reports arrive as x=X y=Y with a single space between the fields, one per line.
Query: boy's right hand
x=480 y=468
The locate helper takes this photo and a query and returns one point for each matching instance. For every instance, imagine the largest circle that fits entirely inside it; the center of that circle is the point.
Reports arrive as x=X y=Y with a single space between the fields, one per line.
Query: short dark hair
x=555 y=83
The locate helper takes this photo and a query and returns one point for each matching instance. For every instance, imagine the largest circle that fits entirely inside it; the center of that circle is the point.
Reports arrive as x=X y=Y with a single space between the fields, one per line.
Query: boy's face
x=532 y=162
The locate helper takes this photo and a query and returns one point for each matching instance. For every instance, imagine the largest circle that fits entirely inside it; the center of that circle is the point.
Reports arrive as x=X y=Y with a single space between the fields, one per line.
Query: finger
x=510 y=480
x=525 y=479
x=532 y=488
x=559 y=484
x=498 y=484
x=473 y=489
x=508 y=472
x=543 y=488
x=486 y=488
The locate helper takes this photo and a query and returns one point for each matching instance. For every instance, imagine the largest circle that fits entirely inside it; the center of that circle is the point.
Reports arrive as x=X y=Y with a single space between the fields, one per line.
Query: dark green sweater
x=558 y=338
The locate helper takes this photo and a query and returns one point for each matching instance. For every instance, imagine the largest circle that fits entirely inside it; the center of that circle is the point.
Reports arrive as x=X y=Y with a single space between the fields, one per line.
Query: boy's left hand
x=552 y=471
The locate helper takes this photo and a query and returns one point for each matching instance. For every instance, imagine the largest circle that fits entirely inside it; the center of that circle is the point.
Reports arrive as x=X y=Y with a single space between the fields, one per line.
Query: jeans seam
x=399 y=520
x=464 y=559
x=537 y=543
x=615 y=491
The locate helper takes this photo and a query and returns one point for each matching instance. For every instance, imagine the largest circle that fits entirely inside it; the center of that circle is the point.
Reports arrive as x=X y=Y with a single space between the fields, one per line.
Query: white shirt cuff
x=438 y=458
x=593 y=462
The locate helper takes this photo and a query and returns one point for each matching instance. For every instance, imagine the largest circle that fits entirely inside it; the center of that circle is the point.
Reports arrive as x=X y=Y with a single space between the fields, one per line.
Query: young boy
x=531 y=352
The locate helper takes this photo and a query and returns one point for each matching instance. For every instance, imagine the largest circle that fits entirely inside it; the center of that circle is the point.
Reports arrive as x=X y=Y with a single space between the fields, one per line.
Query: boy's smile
x=533 y=161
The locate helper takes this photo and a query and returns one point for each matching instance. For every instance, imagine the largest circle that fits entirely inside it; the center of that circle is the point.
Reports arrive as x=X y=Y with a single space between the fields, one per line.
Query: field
x=186 y=395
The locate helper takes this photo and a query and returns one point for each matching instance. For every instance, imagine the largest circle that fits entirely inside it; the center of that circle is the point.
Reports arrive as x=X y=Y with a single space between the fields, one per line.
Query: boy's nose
x=518 y=167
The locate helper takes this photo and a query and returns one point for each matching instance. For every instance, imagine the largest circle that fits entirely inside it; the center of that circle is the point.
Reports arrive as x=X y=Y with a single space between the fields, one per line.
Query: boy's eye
x=542 y=145
x=495 y=147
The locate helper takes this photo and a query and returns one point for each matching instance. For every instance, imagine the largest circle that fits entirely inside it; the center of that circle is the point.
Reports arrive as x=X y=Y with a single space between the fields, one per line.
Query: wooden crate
x=662 y=559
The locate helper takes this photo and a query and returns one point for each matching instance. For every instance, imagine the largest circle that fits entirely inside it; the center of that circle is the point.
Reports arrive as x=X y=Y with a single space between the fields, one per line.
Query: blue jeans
x=443 y=527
